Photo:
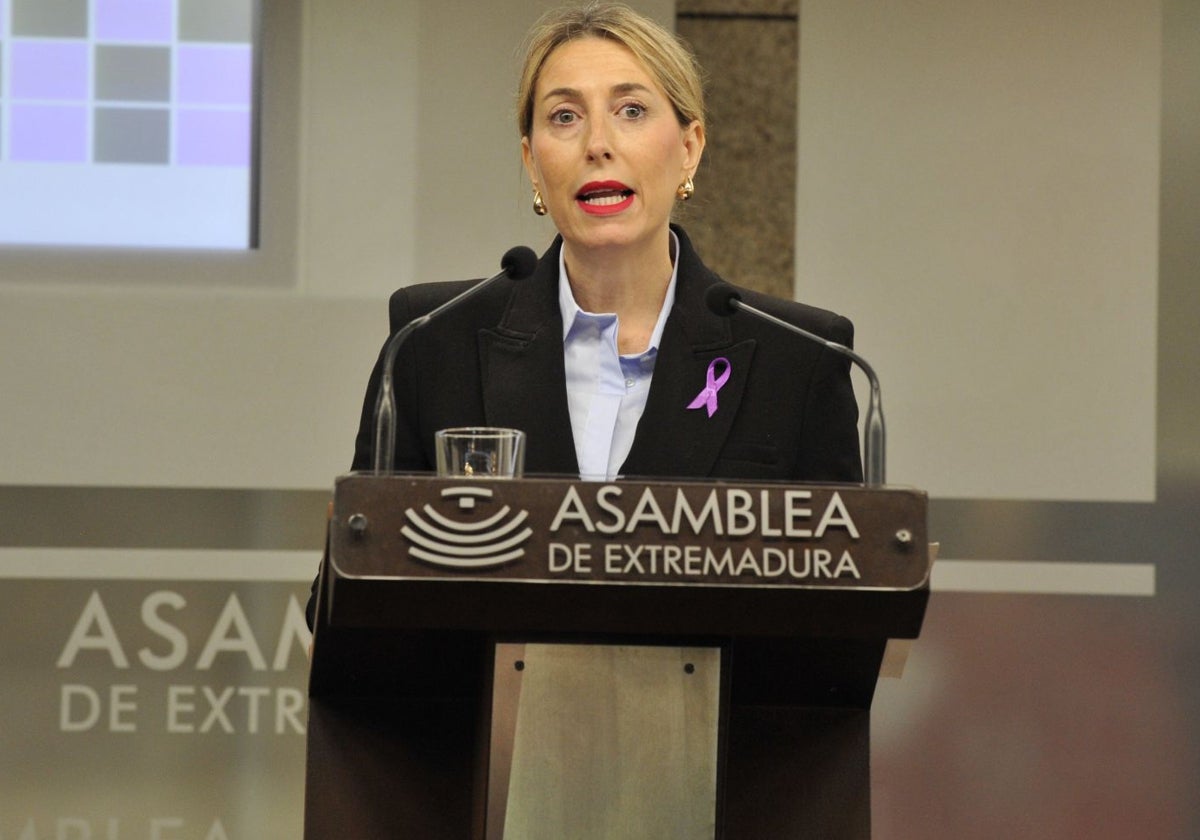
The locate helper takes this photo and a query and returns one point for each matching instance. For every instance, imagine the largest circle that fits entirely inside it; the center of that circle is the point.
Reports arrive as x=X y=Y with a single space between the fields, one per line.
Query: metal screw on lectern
x=689 y=668
x=357 y=523
x=904 y=536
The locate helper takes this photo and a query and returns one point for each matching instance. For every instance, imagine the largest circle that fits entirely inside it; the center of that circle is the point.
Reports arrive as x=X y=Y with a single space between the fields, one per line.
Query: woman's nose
x=599 y=145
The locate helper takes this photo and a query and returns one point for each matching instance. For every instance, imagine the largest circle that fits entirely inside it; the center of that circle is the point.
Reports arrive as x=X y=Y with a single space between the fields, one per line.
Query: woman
x=611 y=362
x=607 y=356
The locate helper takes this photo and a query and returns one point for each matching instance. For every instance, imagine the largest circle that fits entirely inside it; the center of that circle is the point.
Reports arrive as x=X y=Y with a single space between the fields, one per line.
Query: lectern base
x=586 y=742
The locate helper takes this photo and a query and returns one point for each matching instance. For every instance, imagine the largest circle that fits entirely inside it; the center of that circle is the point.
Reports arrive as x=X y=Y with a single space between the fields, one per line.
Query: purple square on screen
x=49 y=70
x=214 y=75
x=212 y=138
x=49 y=133
x=134 y=20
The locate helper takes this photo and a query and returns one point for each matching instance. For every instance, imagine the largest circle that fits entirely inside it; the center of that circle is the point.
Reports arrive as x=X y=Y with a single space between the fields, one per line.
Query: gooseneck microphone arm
x=724 y=300
x=517 y=264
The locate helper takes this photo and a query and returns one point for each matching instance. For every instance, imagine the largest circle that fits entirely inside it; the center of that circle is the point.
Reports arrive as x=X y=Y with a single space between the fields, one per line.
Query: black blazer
x=786 y=412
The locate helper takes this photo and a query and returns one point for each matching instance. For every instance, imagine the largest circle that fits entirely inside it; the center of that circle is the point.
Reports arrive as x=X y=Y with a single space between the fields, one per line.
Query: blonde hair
x=668 y=58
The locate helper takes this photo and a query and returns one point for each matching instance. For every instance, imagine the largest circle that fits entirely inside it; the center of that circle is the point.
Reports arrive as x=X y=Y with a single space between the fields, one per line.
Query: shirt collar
x=571 y=310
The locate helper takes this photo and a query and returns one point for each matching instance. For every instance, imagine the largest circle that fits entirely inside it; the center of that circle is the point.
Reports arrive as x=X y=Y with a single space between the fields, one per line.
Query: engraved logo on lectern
x=471 y=536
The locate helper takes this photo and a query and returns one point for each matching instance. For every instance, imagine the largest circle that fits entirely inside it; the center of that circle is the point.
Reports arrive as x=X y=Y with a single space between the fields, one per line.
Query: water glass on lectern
x=480 y=452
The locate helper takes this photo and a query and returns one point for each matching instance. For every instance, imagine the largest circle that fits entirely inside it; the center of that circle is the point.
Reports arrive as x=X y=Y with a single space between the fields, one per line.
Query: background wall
x=171 y=426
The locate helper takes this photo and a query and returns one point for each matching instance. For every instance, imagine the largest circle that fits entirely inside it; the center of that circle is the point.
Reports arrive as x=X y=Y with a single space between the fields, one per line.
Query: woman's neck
x=632 y=282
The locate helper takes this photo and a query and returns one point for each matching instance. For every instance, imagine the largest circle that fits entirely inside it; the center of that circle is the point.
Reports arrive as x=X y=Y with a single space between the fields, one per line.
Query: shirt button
x=628 y=383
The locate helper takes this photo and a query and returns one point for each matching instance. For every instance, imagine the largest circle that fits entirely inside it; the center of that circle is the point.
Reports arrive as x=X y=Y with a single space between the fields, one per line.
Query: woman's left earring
x=539 y=206
x=686 y=190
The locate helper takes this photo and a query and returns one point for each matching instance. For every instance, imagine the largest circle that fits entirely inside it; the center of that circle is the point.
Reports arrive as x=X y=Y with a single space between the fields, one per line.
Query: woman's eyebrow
x=566 y=92
x=616 y=90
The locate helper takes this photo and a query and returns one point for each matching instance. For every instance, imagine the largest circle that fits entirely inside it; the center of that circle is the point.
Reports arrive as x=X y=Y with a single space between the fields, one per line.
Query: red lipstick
x=603 y=198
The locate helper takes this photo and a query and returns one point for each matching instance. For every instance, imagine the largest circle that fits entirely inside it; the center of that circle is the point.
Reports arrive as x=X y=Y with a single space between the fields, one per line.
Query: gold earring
x=686 y=190
x=539 y=206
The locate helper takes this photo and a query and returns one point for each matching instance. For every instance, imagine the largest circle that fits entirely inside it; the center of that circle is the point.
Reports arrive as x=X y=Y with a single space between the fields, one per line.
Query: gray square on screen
x=50 y=18
x=216 y=20
x=133 y=135
x=140 y=74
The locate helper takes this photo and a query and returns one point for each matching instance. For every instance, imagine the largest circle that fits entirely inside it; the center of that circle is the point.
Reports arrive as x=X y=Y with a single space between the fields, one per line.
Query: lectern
x=796 y=588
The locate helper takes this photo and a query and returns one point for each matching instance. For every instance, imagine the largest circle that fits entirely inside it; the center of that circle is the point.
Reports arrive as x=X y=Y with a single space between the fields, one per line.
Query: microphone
x=516 y=264
x=723 y=299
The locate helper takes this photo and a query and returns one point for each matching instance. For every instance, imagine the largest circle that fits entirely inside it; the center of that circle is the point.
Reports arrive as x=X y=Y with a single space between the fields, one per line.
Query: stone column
x=742 y=218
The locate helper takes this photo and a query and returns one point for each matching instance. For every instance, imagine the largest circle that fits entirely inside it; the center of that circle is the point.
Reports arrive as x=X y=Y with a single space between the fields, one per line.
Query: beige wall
x=979 y=187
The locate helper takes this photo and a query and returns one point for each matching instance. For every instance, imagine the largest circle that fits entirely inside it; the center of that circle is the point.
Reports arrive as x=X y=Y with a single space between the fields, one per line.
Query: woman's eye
x=562 y=117
x=632 y=111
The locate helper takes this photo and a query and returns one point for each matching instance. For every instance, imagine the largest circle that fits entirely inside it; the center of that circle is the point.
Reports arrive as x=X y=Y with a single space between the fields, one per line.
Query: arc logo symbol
x=464 y=541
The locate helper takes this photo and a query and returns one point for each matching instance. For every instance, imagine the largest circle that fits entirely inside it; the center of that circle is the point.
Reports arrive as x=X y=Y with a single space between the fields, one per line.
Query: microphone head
x=720 y=299
x=519 y=262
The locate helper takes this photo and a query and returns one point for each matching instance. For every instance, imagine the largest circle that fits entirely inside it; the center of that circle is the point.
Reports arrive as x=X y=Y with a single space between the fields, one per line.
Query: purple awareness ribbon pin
x=708 y=396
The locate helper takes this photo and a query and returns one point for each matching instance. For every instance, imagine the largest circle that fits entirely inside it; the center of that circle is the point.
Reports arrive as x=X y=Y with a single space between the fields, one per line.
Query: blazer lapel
x=672 y=439
x=524 y=380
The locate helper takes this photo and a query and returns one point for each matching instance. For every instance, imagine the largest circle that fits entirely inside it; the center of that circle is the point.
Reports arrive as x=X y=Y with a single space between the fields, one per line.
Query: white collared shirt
x=606 y=392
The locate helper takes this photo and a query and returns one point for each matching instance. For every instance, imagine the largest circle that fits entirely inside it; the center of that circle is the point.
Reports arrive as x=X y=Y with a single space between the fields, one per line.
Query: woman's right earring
x=686 y=190
x=539 y=206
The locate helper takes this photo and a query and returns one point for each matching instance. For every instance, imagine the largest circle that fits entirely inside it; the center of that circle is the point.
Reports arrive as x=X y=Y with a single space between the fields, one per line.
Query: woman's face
x=605 y=148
